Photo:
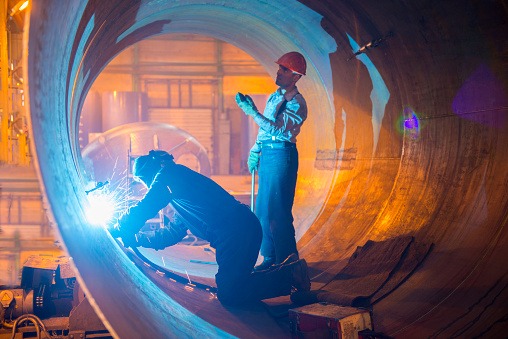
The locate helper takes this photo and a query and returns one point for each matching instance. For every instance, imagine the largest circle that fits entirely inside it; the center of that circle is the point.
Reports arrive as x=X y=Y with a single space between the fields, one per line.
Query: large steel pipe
x=408 y=137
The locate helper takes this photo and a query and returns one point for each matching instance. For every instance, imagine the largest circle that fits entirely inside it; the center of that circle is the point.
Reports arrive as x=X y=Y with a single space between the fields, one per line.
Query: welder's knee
x=233 y=299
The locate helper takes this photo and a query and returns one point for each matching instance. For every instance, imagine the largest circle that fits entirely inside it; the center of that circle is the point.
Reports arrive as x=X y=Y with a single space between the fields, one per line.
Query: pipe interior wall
x=407 y=138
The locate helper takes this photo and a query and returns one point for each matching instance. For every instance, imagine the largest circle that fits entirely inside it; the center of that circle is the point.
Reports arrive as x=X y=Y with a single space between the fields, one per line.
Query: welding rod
x=98 y=186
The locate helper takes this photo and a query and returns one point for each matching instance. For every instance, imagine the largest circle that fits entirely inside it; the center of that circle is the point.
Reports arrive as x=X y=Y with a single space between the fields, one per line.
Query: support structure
x=4 y=96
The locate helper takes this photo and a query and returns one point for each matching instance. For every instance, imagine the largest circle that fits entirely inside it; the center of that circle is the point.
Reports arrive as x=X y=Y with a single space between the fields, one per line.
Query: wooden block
x=324 y=320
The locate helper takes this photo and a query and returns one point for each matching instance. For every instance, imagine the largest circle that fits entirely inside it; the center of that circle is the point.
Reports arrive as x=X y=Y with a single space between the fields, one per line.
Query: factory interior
x=401 y=200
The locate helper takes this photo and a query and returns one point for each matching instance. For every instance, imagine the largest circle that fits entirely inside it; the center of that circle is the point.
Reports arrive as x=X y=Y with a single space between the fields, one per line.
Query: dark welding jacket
x=200 y=204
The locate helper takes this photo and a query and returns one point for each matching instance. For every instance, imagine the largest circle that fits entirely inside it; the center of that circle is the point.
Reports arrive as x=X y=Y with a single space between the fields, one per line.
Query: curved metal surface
x=106 y=158
x=407 y=137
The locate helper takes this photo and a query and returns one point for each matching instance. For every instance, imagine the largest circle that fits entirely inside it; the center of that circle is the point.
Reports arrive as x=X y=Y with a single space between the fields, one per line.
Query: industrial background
x=406 y=139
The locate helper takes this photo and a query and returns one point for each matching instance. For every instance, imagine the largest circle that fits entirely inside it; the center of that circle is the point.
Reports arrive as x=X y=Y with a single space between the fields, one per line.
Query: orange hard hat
x=294 y=61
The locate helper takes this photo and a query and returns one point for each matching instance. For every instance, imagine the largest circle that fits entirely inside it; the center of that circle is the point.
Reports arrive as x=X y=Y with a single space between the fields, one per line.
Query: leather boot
x=300 y=275
x=267 y=263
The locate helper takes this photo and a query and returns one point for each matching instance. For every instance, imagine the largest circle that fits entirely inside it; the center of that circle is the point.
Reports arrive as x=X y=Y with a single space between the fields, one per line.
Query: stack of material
x=373 y=271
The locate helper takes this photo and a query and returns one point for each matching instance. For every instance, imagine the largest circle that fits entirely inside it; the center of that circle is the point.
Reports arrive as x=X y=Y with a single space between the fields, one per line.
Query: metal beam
x=4 y=90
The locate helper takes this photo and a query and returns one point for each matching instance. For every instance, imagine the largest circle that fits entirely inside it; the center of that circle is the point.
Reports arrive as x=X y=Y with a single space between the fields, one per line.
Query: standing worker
x=276 y=156
x=211 y=213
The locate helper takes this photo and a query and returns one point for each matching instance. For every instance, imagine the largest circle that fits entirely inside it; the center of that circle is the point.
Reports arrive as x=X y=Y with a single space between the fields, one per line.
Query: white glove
x=253 y=161
x=246 y=103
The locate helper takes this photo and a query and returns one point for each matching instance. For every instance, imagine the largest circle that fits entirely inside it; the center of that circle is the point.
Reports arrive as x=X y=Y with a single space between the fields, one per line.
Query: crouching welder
x=211 y=213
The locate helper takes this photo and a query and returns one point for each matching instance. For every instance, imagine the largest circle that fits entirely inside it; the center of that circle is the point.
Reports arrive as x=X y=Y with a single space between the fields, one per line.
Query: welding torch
x=99 y=185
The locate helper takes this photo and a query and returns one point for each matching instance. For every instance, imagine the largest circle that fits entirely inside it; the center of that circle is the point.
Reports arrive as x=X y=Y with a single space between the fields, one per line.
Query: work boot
x=300 y=275
x=292 y=258
x=267 y=263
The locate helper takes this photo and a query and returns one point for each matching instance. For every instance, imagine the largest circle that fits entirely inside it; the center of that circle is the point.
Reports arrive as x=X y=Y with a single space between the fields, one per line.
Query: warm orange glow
x=248 y=84
x=20 y=6
x=111 y=82
x=23 y=5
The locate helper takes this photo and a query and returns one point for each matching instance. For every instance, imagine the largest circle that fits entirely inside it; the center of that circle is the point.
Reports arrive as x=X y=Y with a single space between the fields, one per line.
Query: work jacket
x=200 y=204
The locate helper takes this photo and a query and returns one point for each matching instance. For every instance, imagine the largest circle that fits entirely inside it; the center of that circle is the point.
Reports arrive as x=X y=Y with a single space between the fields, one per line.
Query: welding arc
x=169 y=274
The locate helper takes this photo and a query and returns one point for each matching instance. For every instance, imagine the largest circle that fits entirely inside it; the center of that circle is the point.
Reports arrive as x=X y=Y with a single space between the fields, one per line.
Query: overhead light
x=23 y=6
x=18 y=7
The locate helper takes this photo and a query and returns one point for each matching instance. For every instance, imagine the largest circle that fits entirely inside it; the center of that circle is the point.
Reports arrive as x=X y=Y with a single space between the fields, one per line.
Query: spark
x=101 y=209
x=190 y=282
x=105 y=203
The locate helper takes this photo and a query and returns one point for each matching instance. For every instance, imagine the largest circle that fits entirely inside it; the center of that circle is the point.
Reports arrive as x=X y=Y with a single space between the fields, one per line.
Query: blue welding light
x=101 y=209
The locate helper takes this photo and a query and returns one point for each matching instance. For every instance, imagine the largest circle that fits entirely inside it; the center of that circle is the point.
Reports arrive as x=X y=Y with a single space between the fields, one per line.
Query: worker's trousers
x=237 y=248
x=278 y=169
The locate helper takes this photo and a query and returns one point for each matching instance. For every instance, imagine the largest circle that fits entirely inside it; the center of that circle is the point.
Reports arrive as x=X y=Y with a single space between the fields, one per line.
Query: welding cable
x=27 y=317
x=22 y=319
x=39 y=325
x=195 y=242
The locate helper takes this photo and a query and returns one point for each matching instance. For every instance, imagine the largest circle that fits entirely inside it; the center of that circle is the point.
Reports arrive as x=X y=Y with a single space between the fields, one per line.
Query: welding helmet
x=146 y=167
x=293 y=61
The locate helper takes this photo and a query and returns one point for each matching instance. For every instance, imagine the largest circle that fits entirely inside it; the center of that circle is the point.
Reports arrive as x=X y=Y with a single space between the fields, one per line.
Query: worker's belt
x=277 y=144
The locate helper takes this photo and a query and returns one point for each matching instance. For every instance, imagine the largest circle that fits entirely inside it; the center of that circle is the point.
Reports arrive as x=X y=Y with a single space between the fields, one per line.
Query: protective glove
x=128 y=237
x=158 y=240
x=246 y=103
x=253 y=161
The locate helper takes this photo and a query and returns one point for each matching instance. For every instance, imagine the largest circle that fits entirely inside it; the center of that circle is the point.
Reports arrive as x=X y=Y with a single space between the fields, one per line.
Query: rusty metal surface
x=51 y=263
x=361 y=175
